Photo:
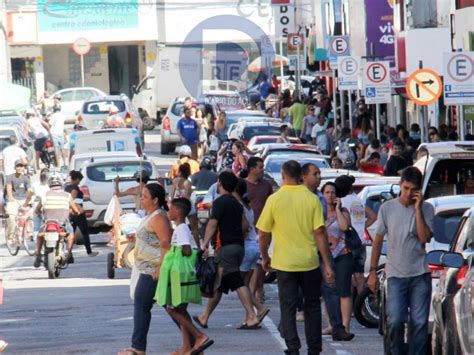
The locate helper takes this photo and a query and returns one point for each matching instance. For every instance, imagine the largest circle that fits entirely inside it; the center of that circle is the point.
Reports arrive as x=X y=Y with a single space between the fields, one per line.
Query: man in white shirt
x=40 y=130
x=57 y=132
x=11 y=154
x=319 y=136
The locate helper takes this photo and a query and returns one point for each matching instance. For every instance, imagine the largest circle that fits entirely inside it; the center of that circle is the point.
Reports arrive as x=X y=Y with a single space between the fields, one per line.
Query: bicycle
x=23 y=233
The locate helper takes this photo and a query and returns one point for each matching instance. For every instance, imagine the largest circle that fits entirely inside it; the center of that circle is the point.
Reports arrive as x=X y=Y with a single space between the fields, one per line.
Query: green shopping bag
x=184 y=283
x=163 y=290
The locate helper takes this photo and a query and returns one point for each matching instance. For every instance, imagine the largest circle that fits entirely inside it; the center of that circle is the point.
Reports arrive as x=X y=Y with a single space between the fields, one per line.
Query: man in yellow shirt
x=295 y=220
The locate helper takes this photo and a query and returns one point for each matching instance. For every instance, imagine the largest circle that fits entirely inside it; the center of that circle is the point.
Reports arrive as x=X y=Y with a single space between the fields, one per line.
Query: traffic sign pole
x=349 y=97
x=82 y=71
x=461 y=122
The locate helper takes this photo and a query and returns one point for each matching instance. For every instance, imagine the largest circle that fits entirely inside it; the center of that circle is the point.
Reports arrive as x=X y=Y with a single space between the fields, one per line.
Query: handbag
x=206 y=272
x=352 y=239
x=184 y=283
x=163 y=289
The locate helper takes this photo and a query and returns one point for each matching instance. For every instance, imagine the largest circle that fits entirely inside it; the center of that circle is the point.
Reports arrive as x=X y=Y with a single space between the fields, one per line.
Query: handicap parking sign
x=370 y=92
x=447 y=88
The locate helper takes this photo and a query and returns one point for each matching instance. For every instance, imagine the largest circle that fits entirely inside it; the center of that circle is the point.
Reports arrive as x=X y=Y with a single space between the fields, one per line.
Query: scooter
x=54 y=248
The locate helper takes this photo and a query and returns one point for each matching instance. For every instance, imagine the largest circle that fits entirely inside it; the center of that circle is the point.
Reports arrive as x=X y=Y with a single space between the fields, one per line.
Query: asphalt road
x=85 y=312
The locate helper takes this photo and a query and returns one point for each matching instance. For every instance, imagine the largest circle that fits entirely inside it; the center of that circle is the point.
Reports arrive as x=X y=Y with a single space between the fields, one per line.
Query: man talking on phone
x=407 y=222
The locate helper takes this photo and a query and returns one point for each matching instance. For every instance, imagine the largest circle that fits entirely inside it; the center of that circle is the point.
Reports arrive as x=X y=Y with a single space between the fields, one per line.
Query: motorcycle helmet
x=206 y=162
x=185 y=150
x=55 y=180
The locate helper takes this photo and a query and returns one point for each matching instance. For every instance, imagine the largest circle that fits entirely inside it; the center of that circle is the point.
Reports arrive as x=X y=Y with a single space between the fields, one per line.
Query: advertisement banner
x=86 y=15
x=380 y=32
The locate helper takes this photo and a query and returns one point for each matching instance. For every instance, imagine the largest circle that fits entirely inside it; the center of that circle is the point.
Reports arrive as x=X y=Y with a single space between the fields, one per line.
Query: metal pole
x=334 y=96
x=82 y=71
x=349 y=96
x=462 y=132
x=343 y=107
x=281 y=65
x=377 y=119
x=298 y=84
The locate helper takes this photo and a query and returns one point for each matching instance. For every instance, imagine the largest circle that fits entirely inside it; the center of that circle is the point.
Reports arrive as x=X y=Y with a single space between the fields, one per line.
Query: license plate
x=128 y=210
x=51 y=236
x=203 y=214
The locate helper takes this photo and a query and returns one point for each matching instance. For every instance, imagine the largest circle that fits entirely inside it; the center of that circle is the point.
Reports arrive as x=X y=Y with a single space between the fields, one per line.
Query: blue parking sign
x=370 y=92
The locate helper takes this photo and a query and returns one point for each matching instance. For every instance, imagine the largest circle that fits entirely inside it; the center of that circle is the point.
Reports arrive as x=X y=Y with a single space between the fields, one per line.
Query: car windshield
x=266 y=140
x=445 y=225
x=78 y=162
x=249 y=132
x=226 y=102
x=274 y=166
x=109 y=171
x=101 y=107
x=178 y=108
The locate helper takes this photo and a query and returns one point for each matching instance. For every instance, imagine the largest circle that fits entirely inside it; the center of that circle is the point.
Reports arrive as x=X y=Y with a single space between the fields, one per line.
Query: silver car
x=98 y=184
x=73 y=98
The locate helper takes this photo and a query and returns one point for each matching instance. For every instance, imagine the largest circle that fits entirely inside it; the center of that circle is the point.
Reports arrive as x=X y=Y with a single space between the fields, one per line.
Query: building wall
x=464 y=23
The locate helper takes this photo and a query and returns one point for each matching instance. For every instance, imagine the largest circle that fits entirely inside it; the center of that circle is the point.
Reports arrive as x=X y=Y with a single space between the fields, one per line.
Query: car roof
x=303 y=156
x=445 y=203
x=98 y=132
x=117 y=160
x=447 y=147
x=246 y=113
x=125 y=153
x=291 y=146
x=9 y=113
x=122 y=97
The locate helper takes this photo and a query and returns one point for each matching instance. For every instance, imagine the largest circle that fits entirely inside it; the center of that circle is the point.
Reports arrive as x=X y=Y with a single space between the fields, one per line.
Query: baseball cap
x=19 y=162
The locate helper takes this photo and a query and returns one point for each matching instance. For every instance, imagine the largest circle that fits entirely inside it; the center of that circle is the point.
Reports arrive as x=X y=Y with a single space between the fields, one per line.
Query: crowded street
x=237 y=177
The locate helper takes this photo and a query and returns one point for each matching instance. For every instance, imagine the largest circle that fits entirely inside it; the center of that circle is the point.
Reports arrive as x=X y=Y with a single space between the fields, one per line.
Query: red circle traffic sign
x=81 y=46
x=378 y=65
x=349 y=59
x=344 y=48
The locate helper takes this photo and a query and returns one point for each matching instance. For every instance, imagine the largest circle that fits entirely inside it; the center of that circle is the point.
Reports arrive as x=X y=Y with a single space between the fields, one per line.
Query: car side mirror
x=435 y=257
x=454 y=260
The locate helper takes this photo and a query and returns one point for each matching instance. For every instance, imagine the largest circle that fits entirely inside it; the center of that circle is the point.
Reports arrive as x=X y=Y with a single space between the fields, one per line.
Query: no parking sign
x=376 y=82
x=458 y=78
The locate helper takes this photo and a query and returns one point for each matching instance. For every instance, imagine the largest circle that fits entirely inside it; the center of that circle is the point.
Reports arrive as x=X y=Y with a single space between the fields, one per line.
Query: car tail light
x=201 y=206
x=128 y=118
x=49 y=144
x=461 y=277
x=89 y=213
x=165 y=124
x=436 y=271
x=86 y=192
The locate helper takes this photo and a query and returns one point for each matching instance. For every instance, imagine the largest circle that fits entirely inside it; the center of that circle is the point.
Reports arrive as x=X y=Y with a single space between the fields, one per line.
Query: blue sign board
x=85 y=15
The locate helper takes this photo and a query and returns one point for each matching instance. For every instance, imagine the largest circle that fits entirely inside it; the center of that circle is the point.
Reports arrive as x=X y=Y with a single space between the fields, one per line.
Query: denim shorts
x=343 y=272
x=252 y=254
x=58 y=141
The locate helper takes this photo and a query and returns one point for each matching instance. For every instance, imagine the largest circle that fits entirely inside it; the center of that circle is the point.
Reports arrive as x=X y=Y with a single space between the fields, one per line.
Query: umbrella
x=14 y=97
x=258 y=65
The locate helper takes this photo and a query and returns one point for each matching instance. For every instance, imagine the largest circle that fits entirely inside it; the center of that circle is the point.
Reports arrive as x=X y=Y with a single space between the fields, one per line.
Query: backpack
x=346 y=154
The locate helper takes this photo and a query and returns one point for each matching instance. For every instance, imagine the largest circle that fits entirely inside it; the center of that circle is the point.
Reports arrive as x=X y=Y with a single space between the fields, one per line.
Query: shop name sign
x=83 y=15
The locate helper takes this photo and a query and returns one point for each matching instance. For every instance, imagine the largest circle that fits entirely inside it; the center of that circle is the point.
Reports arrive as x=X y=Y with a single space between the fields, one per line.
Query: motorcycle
x=202 y=212
x=54 y=248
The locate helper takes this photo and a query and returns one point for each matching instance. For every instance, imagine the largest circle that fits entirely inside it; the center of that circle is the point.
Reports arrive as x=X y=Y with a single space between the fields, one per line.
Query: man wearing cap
x=188 y=131
x=18 y=194
x=204 y=179
x=114 y=120
x=11 y=154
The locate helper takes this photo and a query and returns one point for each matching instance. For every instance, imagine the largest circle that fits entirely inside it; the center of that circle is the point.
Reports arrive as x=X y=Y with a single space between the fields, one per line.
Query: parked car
x=448 y=168
x=287 y=149
x=169 y=135
x=105 y=140
x=24 y=141
x=257 y=143
x=72 y=100
x=235 y=115
x=96 y=109
x=454 y=267
x=98 y=186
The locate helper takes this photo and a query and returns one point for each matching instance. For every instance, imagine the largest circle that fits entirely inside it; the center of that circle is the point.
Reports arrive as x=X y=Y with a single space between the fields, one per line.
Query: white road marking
x=273 y=330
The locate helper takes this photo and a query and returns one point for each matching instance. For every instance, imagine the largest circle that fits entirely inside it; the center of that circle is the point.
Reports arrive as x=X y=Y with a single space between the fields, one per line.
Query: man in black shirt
x=396 y=163
x=227 y=218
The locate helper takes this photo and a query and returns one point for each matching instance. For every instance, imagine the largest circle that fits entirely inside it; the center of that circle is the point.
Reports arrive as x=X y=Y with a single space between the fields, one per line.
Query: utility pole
x=5 y=67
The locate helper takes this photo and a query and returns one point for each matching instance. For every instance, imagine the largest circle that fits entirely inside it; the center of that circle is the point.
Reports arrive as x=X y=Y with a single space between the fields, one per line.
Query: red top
x=372 y=169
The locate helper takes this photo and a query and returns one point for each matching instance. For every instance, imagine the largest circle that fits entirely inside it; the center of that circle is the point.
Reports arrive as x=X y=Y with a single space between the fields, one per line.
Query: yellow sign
x=150 y=57
x=103 y=49
x=424 y=86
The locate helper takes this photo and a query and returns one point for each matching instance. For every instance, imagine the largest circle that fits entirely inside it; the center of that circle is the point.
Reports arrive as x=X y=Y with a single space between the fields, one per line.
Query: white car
x=73 y=98
x=98 y=184
x=105 y=140
x=79 y=159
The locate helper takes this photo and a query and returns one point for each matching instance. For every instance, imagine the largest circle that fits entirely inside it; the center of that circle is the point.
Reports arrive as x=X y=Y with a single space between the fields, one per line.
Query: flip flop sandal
x=3 y=345
x=262 y=315
x=244 y=326
x=202 y=325
x=131 y=351
x=202 y=347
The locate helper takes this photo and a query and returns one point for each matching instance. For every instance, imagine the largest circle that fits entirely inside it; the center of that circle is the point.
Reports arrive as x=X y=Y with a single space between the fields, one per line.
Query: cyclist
x=18 y=194
x=56 y=206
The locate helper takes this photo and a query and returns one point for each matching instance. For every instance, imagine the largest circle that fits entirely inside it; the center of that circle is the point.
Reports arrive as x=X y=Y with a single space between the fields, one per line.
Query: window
x=126 y=171
x=101 y=107
x=445 y=225
x=67 y=96
x=4 y=142
x=465 y=240
x=82 y=95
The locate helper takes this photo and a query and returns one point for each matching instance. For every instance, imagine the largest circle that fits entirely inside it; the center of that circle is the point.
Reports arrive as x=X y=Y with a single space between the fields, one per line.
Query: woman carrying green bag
x=178 y=284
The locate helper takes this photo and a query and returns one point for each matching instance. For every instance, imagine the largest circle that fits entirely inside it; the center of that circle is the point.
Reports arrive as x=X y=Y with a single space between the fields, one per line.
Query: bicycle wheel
x=27 y=237
x=12 y=243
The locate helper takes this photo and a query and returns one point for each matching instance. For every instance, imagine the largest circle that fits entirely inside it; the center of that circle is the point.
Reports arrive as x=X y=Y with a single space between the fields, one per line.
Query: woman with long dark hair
x=153 y=240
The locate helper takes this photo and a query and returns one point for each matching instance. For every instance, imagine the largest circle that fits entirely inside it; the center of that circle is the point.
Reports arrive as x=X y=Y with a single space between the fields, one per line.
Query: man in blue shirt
x=263 y=88
x=188 y=130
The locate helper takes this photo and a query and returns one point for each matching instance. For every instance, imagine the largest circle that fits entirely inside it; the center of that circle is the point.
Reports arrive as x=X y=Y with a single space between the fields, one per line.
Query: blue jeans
x=403 y=293
x=144 y=293
x=332 y=299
